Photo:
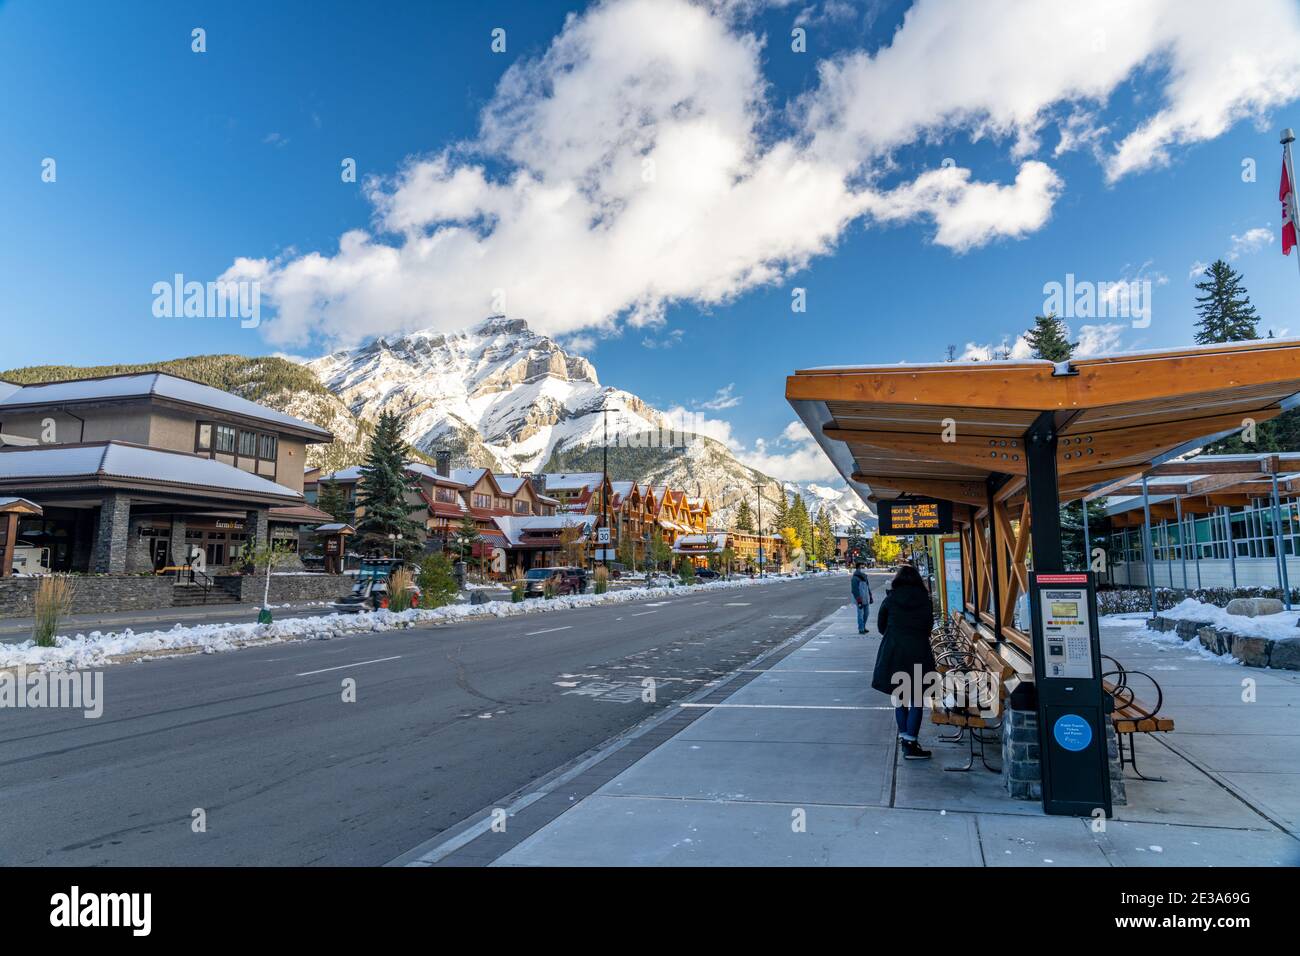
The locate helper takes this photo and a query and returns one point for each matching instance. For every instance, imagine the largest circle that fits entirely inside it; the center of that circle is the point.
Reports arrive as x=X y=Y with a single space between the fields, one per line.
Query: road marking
x=377 y=660
x=790 y=706
x=643 y=614
x=549 y=630
x=736 y=604
x=657 y=603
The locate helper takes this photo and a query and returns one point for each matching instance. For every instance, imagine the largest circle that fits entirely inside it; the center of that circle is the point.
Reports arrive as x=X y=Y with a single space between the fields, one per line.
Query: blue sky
x=918 y=234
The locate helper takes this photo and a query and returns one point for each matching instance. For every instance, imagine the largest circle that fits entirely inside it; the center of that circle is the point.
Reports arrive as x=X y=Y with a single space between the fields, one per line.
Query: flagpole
x=1288 y=137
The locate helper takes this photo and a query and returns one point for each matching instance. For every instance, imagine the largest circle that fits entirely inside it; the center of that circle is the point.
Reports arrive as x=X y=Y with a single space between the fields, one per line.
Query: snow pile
x=99 y=648
x=1272 y=626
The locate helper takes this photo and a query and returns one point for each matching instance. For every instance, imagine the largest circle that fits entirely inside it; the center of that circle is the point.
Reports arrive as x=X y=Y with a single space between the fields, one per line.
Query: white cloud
x=1016 y=350
x=1252 y=240
x=1099 y=339
x=723 y=398
x=642 y=160
x=795 y=456
x=1197 y=269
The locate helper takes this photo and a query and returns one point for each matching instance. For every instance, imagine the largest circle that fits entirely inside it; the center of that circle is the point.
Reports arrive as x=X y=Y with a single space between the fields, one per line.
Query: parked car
x=566 y=580
x=707 y=574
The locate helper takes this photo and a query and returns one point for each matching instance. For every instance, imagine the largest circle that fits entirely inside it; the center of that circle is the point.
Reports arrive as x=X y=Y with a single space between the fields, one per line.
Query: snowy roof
x=509 y=483
x=134 y=462
x=343 y=474
x=467 y=476
x=514 y=527
x=335 y=527
x=428 y=471
x=581 y=479
x=152 y=385
x=16 y=502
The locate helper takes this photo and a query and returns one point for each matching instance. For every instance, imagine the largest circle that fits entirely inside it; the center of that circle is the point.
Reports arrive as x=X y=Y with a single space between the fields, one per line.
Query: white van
x=29 y=559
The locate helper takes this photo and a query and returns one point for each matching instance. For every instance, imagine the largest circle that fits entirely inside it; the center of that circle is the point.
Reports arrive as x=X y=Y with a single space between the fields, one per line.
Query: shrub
x=602 y=579
x=53 y=600
x=399 y=590
x=437 y=581
x=686 y=571
x=517 y=591
x=548 y=589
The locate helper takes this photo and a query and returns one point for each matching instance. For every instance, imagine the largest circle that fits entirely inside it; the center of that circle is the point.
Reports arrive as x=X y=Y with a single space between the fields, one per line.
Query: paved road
x=447 y=720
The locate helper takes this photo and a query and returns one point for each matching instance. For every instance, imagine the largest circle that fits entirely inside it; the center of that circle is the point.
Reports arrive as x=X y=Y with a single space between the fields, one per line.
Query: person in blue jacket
x=861 y=589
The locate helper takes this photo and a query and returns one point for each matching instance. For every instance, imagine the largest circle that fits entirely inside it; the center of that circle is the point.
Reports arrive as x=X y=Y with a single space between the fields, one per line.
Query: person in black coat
x=905 y=619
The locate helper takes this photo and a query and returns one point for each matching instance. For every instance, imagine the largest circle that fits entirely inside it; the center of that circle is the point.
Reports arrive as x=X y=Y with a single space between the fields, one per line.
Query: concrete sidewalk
x=799 y=766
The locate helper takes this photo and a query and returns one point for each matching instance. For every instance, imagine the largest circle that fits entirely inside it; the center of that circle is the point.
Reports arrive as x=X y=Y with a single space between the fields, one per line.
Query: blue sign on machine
x=1072 y=732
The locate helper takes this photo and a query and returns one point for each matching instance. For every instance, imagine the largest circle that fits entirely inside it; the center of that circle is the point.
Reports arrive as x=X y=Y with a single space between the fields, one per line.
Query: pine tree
x=383 y=489
x=1050 y=339
x=825 y=537
x=744 y=518
x=799 y=520
x=466 y=535
x=334 y=503
x=1225 y=309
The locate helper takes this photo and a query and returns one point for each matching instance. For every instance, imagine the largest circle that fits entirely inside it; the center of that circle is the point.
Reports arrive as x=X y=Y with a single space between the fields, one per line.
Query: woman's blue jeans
x=909 y=721
x=863 y=610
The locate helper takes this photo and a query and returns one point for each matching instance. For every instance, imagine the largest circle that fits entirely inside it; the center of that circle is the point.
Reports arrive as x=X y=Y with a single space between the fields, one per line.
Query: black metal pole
x=1040 y=487
x=759 y=488
x=604 y=489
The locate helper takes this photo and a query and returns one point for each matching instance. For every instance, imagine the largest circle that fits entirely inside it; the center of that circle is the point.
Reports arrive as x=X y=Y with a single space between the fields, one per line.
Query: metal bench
x=1132 y=716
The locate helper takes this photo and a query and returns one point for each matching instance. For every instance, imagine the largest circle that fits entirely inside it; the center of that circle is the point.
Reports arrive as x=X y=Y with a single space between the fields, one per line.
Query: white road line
x=643 y=614
x=377 y=660
x=788 y=706
x=736 y=604
x=549 y=630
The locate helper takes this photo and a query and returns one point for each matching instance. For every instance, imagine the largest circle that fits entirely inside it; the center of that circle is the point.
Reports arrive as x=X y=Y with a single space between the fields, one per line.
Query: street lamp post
x=759 y=487
x=394 y=538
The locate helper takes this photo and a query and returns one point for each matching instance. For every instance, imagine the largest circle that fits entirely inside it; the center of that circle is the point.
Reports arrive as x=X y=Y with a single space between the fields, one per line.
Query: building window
x=482 y=501
x=445 y=495
x=266 y=447
x=248 y=444
x=521 y=507
x=205 y=437
x=225 y=439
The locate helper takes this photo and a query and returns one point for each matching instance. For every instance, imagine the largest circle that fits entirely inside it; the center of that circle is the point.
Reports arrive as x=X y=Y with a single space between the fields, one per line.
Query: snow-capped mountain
x=499 y=395
x=844 y=508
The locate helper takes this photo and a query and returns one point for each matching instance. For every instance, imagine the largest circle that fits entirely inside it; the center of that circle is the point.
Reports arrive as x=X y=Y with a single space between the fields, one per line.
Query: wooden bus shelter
x=1007 y=442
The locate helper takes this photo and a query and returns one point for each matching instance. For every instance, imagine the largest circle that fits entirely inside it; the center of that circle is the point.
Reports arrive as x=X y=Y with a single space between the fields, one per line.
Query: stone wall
x=1022 y=767
x=92 y=593
x=1251 y=651
x=287 y=588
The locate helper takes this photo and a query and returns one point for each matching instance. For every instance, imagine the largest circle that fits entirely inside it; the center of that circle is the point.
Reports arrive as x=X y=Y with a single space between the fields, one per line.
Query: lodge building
x=132 y=473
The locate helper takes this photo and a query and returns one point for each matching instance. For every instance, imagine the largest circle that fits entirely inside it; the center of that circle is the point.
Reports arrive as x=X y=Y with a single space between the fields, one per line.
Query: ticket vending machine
x=1072 y=706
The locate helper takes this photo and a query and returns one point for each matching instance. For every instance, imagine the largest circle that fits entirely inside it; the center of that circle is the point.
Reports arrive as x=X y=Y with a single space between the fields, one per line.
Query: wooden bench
x=1132 y=716
x=960 y=650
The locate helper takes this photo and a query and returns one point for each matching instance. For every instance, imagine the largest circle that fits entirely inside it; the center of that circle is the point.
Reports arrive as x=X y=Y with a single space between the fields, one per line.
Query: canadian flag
x=1288 y=212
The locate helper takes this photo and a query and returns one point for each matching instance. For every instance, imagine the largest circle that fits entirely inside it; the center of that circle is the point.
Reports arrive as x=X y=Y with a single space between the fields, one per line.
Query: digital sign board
x=915 y=516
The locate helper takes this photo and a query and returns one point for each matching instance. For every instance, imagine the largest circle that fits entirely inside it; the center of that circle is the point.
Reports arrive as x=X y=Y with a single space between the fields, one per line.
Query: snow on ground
x=1135 y=623
x=1273 y=626
x=99 y=648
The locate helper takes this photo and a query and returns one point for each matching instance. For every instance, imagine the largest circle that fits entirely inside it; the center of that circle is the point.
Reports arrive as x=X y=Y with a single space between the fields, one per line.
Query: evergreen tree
x=1050 y=339
x=799 y=520
x=334 y=503
x=1225 y=309
x=383 y=489
x=466 y=535
x=825 y=537
x=744 y=518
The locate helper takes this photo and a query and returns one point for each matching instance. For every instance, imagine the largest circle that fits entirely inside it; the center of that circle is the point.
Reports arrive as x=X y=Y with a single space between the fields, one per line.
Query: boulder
x=1285 y=654
x=1216 y=640
x=1188 y=630
x=1252 y=651
x=1242 y=607
x=1254 y=607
